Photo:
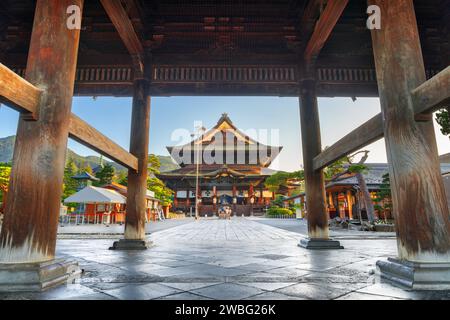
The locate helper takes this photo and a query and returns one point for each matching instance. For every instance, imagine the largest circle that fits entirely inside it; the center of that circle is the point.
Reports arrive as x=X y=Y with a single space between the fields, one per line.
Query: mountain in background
x=7 y=150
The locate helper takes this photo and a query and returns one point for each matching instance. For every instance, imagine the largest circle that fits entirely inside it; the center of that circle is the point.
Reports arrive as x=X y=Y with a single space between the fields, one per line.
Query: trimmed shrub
x=276 y=211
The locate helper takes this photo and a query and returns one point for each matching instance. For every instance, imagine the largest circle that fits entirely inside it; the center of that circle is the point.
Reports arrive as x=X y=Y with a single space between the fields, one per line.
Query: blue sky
x=112 y=116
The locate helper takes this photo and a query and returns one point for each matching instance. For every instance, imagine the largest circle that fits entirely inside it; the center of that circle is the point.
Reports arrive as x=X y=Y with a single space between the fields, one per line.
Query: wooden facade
x=305 y=48
x=234 y=177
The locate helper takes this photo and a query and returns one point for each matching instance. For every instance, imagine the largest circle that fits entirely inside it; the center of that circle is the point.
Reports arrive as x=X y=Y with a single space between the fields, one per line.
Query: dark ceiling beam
x=310 y=15
x=122 y=22
x=324 y=26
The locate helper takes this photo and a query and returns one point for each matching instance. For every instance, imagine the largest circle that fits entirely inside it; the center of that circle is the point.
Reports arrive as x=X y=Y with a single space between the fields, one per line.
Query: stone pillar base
x=320 y=244
x=124 y=244
x=415 y=275
x=38 y=276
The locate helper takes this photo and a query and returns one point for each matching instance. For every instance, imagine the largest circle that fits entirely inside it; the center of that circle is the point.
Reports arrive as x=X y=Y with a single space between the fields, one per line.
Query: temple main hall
x=232 y=168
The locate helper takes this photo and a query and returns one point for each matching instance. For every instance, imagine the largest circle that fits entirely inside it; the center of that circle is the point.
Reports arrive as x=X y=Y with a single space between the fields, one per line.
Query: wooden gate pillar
x=418 y=195
x=314 y=179
x=28 y=237
x=137 y=181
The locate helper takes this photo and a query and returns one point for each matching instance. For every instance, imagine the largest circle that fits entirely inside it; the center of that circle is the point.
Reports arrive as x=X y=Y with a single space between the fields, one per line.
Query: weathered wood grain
x=362 y=136
x=433 y=94
x=87 y=135
x=34 y=199
x=18 y=93
x=311 y=145
x=418 y=195
x=137 y=181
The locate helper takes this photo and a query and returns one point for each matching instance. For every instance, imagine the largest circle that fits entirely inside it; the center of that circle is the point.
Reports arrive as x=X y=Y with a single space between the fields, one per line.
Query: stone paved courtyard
x=235 y=259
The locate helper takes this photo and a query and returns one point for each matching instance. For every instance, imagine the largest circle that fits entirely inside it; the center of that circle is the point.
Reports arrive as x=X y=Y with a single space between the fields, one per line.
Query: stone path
x=233 y=259
x=102 y=231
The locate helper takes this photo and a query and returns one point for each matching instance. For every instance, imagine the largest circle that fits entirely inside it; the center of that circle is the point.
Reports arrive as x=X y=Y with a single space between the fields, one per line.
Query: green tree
x=70 y=185
x=336 y=168
x=154 y=165
x=283 y=179
x=85 y=167
x=162 y=193
x=443 y=119
x=384 y=196
x=106 y=175
x=122 y=178
x=5 y=172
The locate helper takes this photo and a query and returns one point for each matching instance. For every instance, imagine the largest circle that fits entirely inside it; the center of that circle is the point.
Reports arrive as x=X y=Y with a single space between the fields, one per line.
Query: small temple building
x=342 y=193
x=232 y=169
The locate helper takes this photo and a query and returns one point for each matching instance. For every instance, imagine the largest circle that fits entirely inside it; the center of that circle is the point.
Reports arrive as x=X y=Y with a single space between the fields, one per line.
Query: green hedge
x=276 y=211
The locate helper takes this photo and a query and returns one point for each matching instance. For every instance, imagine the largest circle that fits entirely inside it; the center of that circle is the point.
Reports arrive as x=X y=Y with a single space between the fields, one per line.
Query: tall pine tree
x=70 y=185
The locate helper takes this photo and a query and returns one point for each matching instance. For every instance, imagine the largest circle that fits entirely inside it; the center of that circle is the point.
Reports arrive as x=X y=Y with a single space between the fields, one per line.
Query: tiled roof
x=85 y=176
x=374 y=175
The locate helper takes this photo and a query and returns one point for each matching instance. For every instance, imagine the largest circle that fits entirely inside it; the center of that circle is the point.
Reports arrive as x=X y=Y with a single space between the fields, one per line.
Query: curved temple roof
x=226 y=142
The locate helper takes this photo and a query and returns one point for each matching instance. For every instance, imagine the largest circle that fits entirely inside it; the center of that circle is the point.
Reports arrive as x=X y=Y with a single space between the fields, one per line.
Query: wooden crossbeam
x=124 y=27
x=433 y=94
x=18 y=93
x=325 y=25
x=367 y=133
x=85 y=134
x=427 y=98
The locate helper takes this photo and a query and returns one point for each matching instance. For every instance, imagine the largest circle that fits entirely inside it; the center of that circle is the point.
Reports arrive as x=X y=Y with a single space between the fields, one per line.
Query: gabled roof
x=96 y=195
x=123 y=190
x=225 y=127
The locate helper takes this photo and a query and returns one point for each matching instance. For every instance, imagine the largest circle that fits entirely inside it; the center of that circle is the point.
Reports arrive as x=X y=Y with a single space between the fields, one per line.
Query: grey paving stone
x=235 y=259
x=227 y=291
x=256 y=267
x=384 y=289
x=269 y=286
x=364 y=296
x=175 y=263
x=273 y=296
x=273 y=256
x=288 y=272
x=226 y=272
x=141 y=292
x=312 y=291
x=94 y=296
x=184 y=296
x=188 y=286
x=68 y=291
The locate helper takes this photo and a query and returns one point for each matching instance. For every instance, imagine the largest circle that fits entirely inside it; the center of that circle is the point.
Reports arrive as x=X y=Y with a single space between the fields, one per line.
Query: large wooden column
x=34 y=197
x=137 y=181
x=419 y=201
x=314 y=179
x=28 y=236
